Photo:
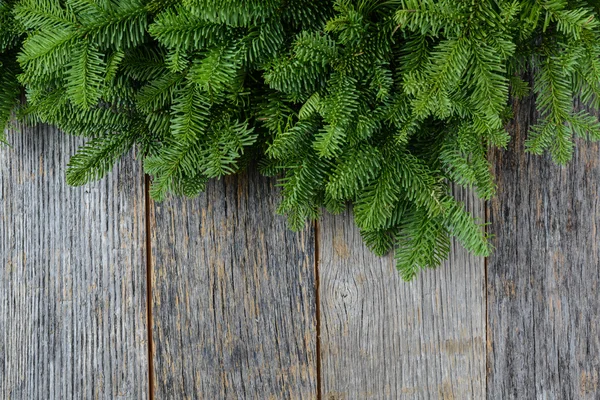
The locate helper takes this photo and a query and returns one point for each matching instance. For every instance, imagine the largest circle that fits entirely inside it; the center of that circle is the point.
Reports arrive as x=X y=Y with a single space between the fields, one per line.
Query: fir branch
x=97 y=157
x=381 y=105
x=85 y=75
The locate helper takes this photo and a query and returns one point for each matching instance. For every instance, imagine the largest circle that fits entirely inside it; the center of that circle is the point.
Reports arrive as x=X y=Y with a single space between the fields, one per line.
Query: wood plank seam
x=318 y=311
x=149 y=287
x=486 y=217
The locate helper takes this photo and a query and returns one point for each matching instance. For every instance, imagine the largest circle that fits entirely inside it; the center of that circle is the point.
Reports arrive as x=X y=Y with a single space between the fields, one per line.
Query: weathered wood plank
x=233 y=296
x=382 y=338
x=543 y=294
x=72 y=276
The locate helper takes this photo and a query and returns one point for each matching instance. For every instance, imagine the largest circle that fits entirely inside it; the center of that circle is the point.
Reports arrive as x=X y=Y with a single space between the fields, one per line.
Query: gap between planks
x=486 y=218
x=149 y=288
x=318 y=309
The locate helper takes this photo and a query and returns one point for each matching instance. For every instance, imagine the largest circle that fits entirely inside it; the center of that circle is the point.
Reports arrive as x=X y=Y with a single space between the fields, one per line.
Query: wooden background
x=105 y=294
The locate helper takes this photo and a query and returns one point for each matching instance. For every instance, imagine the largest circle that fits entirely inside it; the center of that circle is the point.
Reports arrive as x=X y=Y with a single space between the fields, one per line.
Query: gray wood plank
x=233 y=296
x=72 y=276
x=382 y=338
x=543 y=294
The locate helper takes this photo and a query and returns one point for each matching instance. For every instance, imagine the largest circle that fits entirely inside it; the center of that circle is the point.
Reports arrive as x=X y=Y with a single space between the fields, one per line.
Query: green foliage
x=10 y=34
x=378 y=104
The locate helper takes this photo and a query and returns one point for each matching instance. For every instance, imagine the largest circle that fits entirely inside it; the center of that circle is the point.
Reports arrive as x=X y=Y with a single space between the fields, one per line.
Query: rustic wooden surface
x=542 y=280
x=234 y=301
x=382 y=338
x=233 y=290
x=72 y=276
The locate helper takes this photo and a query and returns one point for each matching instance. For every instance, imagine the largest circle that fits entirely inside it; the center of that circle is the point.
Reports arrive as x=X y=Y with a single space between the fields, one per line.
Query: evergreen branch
x=180 y=158
x=382 y=105
x=96 y=158
x=465 y=228
x=422 y=242
x=159 y=93
x=85 y=75
x=217 y=71
x=338 y=109
x=47 y=51
x=354 y=171
x=119 y=26
x=190 y=114
x=289 y=143
x=43 y=15
x=225 y=145
x=177 y=28
x=375 y=205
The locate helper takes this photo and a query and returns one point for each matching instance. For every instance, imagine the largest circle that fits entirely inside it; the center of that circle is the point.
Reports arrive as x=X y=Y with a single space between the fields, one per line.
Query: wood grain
x=233 y=296
x=72 y=276
x=543 y=294
x=234 y=300
x=382 y=338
